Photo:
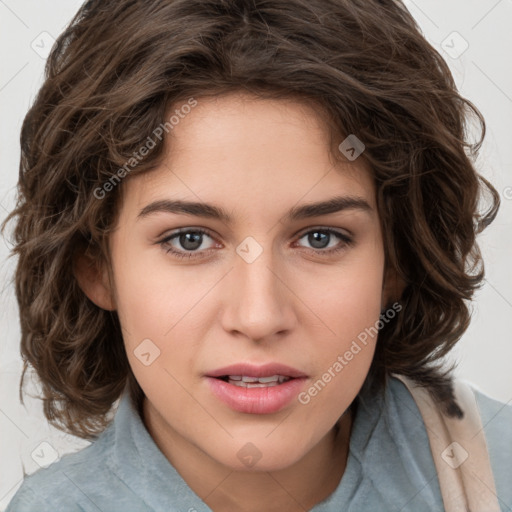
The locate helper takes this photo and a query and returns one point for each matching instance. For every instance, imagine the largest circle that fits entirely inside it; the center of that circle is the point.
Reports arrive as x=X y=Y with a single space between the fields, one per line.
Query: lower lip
x=256 y=400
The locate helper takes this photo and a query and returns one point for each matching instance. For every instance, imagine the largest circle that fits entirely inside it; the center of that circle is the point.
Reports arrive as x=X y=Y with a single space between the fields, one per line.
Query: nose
x=259 y=302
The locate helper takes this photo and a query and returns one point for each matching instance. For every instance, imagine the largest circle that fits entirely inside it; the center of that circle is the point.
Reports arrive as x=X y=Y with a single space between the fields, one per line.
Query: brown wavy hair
x=113 y=76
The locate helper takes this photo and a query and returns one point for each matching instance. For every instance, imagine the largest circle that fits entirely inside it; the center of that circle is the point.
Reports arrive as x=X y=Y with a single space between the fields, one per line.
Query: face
x=207 y=304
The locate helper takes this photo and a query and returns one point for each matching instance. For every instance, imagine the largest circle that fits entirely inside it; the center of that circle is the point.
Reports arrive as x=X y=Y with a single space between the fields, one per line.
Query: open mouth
x=256 y=389
x=263 y=394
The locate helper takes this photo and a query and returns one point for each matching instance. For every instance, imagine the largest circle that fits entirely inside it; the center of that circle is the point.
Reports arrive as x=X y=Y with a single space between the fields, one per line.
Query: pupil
x=186 y=242
x=313 y=239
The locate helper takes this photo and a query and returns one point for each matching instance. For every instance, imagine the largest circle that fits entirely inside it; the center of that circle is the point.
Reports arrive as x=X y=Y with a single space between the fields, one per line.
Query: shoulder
x=496 y=419
x=61 y=485
x=497 y=424
x=109 y=474
x=27 y=500
x=495 y=415
x=83 y=480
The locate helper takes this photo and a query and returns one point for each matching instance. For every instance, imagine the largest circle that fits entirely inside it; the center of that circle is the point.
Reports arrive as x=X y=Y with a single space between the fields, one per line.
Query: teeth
x=249 y=379
x=273 y=378
x=257 y=382
x=243 y=384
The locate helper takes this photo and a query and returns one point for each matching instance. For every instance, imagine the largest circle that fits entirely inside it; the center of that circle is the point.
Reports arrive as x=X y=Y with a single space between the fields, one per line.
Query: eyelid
x=339 y=231
x=168 y=233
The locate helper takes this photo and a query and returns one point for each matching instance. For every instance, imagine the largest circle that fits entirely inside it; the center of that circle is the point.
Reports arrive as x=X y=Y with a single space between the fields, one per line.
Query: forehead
x=243 y=152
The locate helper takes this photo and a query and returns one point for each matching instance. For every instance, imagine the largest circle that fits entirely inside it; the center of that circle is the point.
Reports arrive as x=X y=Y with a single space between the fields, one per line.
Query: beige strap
x=459 y=450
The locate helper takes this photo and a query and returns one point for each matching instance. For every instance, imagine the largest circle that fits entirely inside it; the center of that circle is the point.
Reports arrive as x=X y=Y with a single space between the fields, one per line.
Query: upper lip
x=252 y=370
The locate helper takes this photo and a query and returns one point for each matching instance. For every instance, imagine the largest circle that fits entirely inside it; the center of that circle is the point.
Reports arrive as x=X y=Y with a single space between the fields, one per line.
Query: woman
x=245 y=220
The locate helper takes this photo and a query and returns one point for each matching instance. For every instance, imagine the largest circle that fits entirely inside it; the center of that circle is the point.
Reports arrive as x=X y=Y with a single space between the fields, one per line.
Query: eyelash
x=347 y=242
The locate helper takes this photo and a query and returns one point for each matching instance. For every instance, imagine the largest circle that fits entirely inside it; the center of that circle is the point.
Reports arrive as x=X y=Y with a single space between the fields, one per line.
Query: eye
x=320 y=238
x=191 y=241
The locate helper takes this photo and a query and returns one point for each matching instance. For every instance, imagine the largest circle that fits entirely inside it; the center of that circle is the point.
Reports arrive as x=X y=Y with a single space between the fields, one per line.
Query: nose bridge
x=259 y=304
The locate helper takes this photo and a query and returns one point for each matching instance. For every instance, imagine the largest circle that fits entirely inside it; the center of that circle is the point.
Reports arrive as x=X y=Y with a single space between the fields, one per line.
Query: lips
x=256 y=389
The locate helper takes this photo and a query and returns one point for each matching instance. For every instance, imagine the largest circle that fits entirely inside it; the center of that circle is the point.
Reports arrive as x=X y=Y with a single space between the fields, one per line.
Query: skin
x=257 y=159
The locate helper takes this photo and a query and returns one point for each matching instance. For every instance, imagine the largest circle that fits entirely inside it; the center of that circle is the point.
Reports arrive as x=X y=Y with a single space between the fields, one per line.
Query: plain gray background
x=475 y=39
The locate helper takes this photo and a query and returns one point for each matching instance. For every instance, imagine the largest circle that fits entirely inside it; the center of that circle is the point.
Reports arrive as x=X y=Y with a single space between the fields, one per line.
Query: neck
x=296 y=488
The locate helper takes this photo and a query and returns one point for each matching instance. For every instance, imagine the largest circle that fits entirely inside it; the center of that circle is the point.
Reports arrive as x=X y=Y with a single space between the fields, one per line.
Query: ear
x=392 y=288
x=94 y=281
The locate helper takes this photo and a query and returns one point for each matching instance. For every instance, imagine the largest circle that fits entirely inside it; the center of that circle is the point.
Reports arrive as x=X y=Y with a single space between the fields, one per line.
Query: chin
x=259 y=456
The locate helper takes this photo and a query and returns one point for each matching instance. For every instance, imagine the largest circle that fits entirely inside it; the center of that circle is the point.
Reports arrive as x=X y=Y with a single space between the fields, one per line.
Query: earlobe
x=94 y=282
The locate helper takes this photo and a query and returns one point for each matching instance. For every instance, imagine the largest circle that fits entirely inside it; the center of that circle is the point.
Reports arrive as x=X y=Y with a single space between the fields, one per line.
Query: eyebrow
x=210 y=211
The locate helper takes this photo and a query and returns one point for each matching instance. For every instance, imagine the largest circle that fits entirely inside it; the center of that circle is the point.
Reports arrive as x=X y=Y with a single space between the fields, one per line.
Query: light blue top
x=389 y=467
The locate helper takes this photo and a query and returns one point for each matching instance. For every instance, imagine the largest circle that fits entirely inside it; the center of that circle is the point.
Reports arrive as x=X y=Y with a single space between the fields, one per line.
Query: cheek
x=349 y=300
x=152 y=298
x=155 y=314
x=346 y=355
x=158 y=309
x=349 y=305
